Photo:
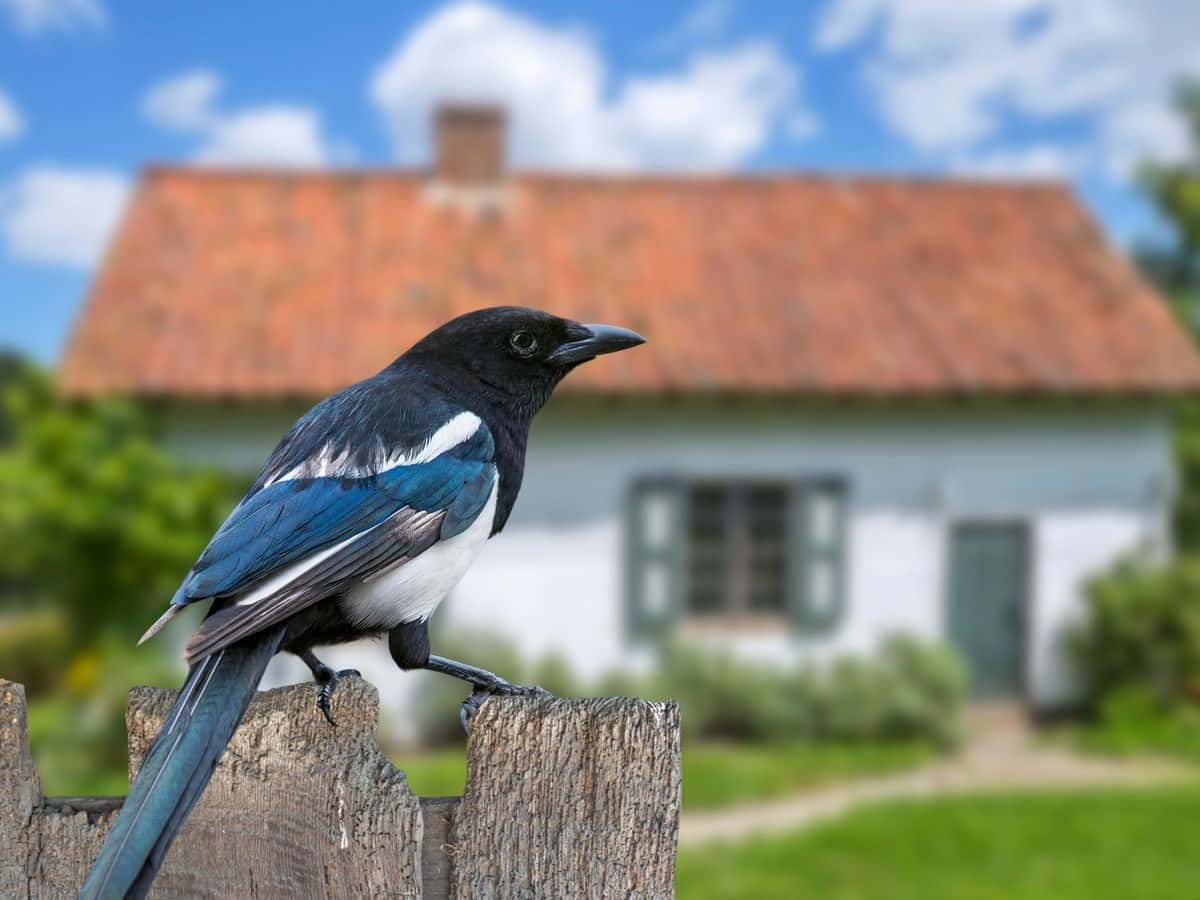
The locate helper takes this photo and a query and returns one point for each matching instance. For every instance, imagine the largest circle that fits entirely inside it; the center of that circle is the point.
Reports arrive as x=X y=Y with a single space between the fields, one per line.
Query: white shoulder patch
x=328 y=465
x=457 y=431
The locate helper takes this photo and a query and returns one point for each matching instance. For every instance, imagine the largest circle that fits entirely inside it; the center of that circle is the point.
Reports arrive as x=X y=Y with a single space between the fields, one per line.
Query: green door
x=989 y=584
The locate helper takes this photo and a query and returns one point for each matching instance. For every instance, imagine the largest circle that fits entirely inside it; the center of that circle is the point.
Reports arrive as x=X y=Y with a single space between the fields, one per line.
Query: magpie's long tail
x=177 y=768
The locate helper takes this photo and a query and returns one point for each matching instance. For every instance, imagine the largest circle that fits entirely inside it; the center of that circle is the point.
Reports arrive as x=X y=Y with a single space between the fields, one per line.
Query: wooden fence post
x=564 y=798
x=569 y=798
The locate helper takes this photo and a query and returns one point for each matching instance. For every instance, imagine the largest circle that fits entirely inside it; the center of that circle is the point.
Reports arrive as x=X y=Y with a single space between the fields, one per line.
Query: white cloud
x=803 y=125
x=564 y=113
x=1037 y=161
x=718 y=111
x=36 y=16
x=705 y=20
x=12 y=125
x=183 y=102
x=267 y=135
x=276 y=134
x=65 y=216
x=947 y=73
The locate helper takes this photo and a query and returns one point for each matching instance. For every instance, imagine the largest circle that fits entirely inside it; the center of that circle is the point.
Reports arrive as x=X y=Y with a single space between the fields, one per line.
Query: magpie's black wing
x=300 y=537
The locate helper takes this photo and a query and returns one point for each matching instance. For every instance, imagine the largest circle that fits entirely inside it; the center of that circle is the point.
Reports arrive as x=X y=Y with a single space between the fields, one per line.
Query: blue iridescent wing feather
x=288 y=521
x=284 y=522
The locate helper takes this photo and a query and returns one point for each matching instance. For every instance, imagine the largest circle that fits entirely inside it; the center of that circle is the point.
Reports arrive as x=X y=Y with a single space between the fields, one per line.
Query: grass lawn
x=1093 y=845
x=716 y=775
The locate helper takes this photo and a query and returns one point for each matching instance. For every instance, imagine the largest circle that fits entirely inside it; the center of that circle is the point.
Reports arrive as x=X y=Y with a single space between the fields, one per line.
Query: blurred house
x=866 y=405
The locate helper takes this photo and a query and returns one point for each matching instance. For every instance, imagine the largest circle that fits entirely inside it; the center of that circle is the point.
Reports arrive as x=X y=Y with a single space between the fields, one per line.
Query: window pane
x=766 y=523
x=767 y=512
x=709 y=549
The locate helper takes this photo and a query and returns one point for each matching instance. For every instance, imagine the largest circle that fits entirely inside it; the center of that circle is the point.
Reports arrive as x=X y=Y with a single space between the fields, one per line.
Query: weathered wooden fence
x=564 y=798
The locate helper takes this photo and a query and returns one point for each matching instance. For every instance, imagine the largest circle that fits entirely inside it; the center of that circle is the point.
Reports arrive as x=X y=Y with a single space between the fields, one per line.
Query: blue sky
x=90 y=90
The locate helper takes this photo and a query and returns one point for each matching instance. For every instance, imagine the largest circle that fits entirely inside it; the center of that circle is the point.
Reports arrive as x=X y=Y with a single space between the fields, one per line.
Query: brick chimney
x=470 y=144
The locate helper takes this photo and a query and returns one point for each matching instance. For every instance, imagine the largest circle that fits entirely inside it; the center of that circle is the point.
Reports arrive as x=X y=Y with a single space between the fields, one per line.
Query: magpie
x=364 y=517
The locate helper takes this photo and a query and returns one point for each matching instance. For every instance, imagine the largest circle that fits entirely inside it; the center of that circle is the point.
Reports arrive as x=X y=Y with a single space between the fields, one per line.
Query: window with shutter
x=653 y=555
x=746 y=551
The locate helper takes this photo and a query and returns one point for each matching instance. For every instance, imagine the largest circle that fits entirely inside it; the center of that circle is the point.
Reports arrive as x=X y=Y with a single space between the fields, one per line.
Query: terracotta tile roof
x=264 y=283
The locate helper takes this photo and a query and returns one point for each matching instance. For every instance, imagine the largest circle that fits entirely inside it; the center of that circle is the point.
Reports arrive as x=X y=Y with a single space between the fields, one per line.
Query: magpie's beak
x=600 y=339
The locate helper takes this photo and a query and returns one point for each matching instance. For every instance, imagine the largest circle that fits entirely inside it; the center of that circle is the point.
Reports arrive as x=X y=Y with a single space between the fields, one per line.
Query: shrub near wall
x=1139 y=653
x=908 y=690
x=1142 y=631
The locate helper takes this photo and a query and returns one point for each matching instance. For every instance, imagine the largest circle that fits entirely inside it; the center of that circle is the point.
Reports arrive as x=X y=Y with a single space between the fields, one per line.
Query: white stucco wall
x=1091 y=482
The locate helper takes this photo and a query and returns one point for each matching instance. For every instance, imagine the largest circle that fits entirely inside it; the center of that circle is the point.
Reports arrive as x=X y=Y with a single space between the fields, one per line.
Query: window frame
x=801 y=548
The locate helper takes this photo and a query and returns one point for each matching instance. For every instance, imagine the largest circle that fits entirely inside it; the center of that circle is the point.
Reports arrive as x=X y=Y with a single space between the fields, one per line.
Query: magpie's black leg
x=481 y=678
x=409 y=646
x=327 y=678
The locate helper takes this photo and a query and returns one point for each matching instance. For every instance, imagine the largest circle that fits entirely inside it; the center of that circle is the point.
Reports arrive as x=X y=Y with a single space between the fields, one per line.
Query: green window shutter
x=654 y=533
x=817 y=526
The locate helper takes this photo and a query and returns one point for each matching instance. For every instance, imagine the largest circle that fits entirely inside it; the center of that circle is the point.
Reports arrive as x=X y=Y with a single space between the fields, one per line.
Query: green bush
x=1134 y=720
x=856 y=692
x=926 y=689
x=721 y=695
x=1138 y=651
x=97 y=522
x=1142 y=630
x=98 y=526
x=908 y=690
x=33 y=645
x=77 y=730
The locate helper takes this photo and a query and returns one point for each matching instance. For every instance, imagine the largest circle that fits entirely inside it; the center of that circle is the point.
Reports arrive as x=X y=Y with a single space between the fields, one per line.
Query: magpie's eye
x=523 y=343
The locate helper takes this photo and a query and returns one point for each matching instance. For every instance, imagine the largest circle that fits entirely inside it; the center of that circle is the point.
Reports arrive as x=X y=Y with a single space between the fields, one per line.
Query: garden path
x=1001 y=753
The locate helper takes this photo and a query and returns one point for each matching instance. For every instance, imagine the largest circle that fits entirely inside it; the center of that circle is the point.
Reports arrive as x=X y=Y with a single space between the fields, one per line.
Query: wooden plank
x=569 y=798
x=297 y=807
x=437 y=859
x=19 y=791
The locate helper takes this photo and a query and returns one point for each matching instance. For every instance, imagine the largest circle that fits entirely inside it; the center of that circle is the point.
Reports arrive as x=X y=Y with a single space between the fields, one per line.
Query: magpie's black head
x=516 y=355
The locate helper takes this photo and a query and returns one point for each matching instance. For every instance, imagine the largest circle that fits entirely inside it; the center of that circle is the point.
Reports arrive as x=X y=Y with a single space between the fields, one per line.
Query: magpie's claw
x=328 y=680
x=471 y=705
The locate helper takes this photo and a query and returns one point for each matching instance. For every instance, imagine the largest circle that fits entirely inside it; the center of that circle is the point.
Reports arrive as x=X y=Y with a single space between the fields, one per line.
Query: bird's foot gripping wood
x=326 y=690
x=485 y=683
x=471 y=705
x=327 y=678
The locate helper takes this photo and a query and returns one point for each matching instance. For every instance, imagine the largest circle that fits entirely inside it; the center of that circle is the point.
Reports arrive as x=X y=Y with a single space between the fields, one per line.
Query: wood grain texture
x=65 y=838
x=569 y=798
x=297 y=808
x=564 y=798
x=20 y=792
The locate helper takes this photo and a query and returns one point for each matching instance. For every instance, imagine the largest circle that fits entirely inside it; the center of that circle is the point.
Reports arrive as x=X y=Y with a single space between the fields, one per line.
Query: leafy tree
x=1174 y=189
x=98 y=525
x=1175 y=266
x=97 y=522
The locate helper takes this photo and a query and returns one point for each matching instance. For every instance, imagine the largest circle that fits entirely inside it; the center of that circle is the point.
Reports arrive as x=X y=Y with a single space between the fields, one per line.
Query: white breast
x=412 y=591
